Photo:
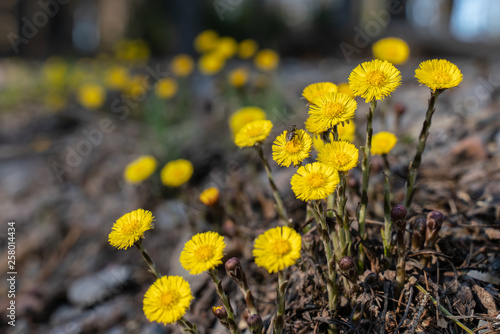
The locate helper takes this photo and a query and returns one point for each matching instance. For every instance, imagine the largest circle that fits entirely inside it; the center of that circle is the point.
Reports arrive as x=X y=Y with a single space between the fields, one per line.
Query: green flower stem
x=276 y=194
x=152 y=266
x=365 y=167
x=415 y=163
x=330 y=258
x=280 y=302
x=187 y=326
x=225 y=300
x=387 y=229
x=343 y=218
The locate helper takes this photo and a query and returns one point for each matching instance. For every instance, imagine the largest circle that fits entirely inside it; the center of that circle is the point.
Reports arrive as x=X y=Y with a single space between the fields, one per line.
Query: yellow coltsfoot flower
x=438 y=74
x=247 y=48
x=374 y=80
x=253 y=133
x=176 y=173
x=266 y=60
x=314 y=181
x=340 y=155
x=209 y=196
x=238 y=77
x=203 y=252
x=277 y=248
x=287 y=152
x=394 y=50
x=167 y=299
x=318 y=89
x=91 y=95
x=166 y=88
x=182 y=65
x=345 y=132
x=130 y=228
x=329 y=110
x=206 y=41
x=383 y=142
x=139 y=169
x=243 y=116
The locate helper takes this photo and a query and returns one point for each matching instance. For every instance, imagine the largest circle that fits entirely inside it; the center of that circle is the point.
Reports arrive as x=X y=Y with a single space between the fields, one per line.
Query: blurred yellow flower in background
x=315 y=90
x=394 y=50
x=383 y=142
x=54 y=101
x=243 y=116
x=206 y=41
x=130 y=228
x=226 y=47
x=277 y=248
x=340 y=155
x=139 y=169
x=266 y=60
x=55 y=71
x=166 y=88
x=203 y=252
x=238 y=77
x=132 y=50
x=253 y=133
x=374 y=80
x=247 y=48
x=211 y=63
x=176 y=173
x=91 y=96
x=182 y=65
x=287 y=152
x=167 y=299
x=314 y=181
x=344 y=88
x=137 y=86
x=116 y=77
x=438 y=74
x=209 y=196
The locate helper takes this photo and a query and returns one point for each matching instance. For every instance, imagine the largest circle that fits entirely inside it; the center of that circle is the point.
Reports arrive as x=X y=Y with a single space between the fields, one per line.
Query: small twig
x=406 y=311
x=416 y=319
x=445 y=311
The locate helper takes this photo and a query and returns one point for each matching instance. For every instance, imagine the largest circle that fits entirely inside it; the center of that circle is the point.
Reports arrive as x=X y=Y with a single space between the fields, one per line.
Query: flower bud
x=398 y=216
x=220 y=312
x=348 y=268
x=399 y=109
x=433 y=224
x=235 y=271
x=255 y=324
x=418 y=237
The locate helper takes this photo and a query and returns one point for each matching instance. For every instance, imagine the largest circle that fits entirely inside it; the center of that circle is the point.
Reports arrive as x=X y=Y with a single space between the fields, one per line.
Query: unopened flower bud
x=433 y=224
x=418 y=237
x=255 y=324
x=220 y=312
x=235 y=271
x=398 y=216
x=399 y=109
x=307 y=240
x=348 y=268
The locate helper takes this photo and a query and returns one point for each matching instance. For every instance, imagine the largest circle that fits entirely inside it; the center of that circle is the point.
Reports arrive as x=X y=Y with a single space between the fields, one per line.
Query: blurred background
x=87 y=86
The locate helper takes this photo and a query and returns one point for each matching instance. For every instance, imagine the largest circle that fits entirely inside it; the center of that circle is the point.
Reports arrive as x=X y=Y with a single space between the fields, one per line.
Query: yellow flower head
x=54 y=72
x=91 y=96
x=266 y=60
x=130 y=228
x=211 y=63
x=277 y=248
x=206 y=41
x=253 y=133
x=134 y=50
x=243 y=116
x=238 y=77
x=374 y=80
x=116 y=77
x=167 y=299
x=226 y=47
x=346 y=132
x=329 y=110
x=203 y=252
x=139 y=169
x=176 y=173
x=316 y=90
x=166 y=88
x=382 y=143
x=343 y=87
x=209 y=196
x=294 y=151
x=137 y=86
x=247 y=48
x=314 y=181
x=438 y=74
x=182 y=65
x=392 y=49
x=340 y=155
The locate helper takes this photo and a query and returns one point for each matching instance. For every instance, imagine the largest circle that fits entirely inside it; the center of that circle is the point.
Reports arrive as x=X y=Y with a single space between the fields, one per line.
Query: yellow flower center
x=441 y=77
x=169 y=298
x=254 y=132
x=375 y=78
x=342 y=159
x=333 y=109
x=131 y=226
x=293 y=146
x=280 y=247
x=315 y=180
x=204 y=253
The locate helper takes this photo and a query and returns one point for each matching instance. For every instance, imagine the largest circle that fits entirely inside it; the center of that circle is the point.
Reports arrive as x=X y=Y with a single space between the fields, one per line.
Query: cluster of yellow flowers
x=174 y=174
